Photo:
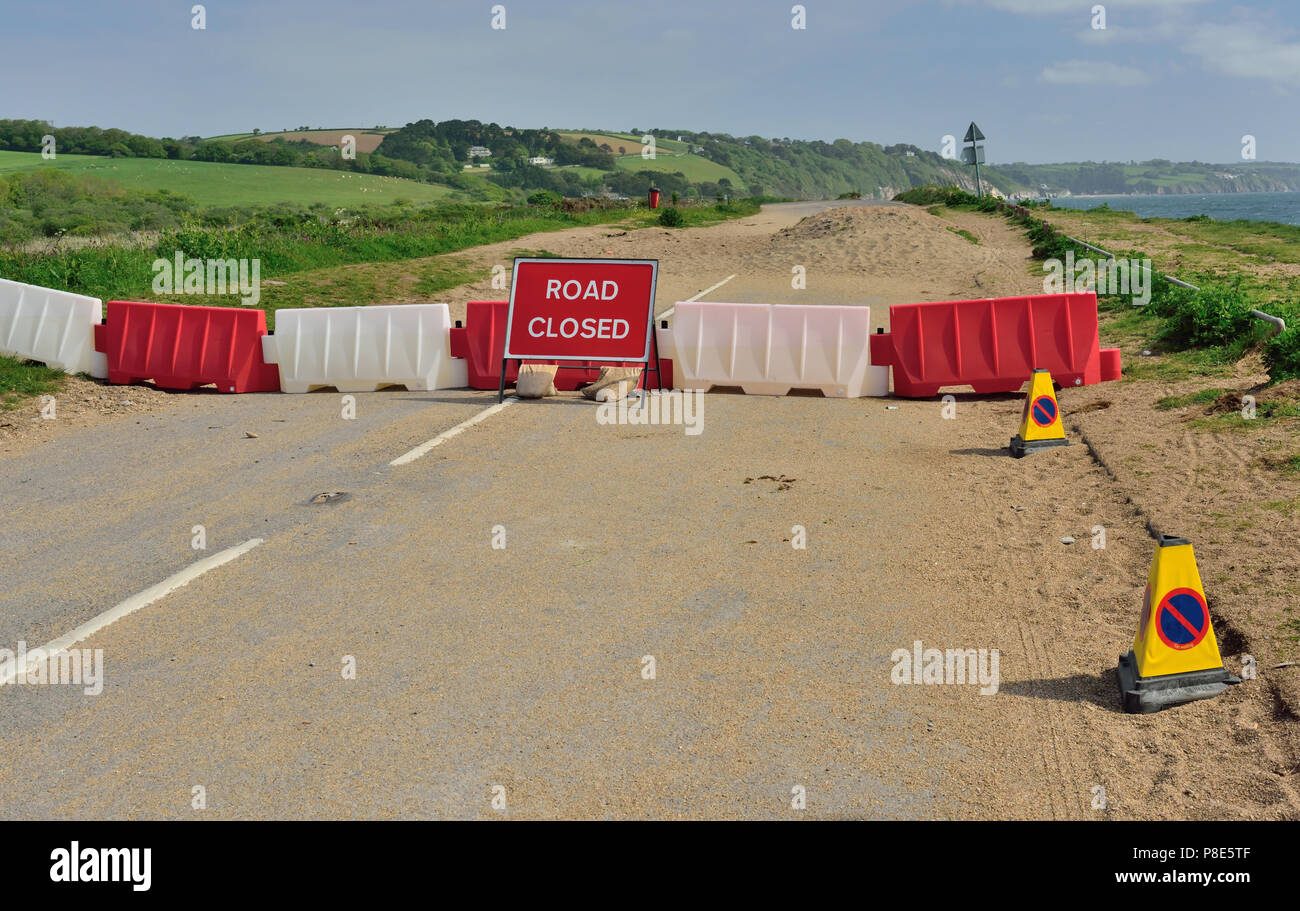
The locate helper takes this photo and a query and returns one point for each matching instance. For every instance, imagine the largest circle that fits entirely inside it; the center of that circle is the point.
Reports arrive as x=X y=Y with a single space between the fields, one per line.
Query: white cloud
x=1093 y=72
x=1246 y=52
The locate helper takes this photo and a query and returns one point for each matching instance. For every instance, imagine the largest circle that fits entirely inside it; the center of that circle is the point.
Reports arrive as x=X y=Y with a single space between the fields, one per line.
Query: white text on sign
x=572 y=290
x=542 y=327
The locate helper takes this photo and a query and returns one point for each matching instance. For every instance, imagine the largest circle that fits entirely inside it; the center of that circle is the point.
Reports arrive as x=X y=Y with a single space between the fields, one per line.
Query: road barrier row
x=992 y=345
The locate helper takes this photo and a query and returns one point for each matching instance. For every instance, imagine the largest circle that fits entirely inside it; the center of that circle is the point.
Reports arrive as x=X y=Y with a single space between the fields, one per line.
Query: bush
x=1214 y=315
x=671 y=218
x=929 y=195
x=545 y=198
x=1282 y=356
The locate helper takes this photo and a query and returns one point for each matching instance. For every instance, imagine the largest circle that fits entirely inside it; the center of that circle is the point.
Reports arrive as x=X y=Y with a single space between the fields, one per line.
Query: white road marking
x=690 y=300
x=446 y=435
x=134 y=603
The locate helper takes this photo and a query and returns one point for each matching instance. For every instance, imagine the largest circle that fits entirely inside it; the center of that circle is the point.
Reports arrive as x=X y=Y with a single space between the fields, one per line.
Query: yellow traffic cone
x=1175 y=657
x=1040 y=422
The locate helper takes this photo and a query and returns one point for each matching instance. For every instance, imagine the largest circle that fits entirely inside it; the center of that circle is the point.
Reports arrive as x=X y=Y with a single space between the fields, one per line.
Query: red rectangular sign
x=582 y=309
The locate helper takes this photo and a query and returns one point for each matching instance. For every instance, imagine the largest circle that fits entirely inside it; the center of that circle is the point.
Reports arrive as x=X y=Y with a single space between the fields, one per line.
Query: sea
x=1280 y=207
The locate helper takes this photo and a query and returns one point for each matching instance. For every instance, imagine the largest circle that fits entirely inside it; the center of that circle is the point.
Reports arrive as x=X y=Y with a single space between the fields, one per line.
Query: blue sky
x=1179 y=79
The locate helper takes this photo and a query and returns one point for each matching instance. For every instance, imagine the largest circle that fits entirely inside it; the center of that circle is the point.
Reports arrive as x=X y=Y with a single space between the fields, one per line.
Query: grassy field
x=581 y=170
x=367 y=140
x=624 y=140
x=670 y=156
x=214 y=184
x=695 y=168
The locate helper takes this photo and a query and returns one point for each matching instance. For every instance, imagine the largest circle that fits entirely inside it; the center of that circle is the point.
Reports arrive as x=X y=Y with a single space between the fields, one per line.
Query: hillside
x=367 y=139
x=685 y=162
x=811 y=169
x=1155 y=177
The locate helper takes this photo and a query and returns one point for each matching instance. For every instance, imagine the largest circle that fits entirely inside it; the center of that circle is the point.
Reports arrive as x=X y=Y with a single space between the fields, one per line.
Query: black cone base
x=1143 y=696
x=1021 y=448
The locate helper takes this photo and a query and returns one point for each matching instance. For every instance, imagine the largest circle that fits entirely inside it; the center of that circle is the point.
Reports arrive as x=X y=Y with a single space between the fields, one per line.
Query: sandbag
x=610 y=376
x=535 y=381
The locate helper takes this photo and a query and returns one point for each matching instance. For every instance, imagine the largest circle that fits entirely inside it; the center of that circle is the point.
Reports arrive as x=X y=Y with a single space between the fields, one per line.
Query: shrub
x=671 y=218
x=929 y=195
x=545 y=198
x=1214 y=315
x=1282 y=356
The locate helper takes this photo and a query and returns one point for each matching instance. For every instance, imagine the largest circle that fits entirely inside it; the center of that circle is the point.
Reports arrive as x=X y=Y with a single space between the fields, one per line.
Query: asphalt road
x=477 y=666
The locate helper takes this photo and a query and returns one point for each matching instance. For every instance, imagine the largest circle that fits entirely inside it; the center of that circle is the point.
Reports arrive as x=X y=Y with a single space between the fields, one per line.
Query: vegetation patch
x=1203 y=397
x=21 y=380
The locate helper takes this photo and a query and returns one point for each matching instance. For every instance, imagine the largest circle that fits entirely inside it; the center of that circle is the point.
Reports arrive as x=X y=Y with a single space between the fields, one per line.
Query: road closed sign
x=581 y=309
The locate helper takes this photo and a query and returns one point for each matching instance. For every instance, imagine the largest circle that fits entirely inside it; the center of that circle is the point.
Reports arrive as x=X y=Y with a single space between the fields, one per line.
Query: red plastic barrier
x=182 y=347
x=1110 y=366
x=994 y=345
x=482 y=342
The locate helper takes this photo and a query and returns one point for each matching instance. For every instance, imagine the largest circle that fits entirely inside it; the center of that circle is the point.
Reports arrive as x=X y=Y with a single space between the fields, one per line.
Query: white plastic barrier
x=54 y=327
x=360 y=349
x=769 y=349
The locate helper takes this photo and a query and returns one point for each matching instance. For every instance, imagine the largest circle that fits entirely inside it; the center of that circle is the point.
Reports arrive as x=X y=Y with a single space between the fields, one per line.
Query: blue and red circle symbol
x=1182 y=619
x=1043 y=410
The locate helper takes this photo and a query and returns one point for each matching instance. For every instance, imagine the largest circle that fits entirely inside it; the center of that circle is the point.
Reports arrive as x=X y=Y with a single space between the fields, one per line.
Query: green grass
x=21 y=380
x=1203 y=397
x=362 y=284
x=962 y=232
x=1286 y=507
x=582 y=171
x=1194 y=363
x=693 y=167
x=216 y=184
